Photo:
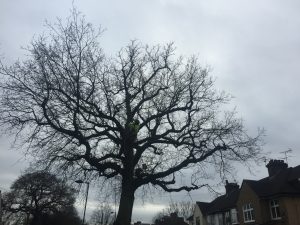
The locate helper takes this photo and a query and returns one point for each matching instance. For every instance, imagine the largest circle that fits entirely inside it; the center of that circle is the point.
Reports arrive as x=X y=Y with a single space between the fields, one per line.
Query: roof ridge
x=248 y=180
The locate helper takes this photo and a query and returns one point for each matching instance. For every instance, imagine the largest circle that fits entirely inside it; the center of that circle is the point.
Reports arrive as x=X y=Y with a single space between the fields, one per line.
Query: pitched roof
x=285 y=182
x=224 y=202
x=203 y=206
x=190 y=218
x=220 y=204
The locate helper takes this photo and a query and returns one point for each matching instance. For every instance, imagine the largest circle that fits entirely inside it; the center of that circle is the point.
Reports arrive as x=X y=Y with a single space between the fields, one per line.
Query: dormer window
x=274 y=207
x=248 y=212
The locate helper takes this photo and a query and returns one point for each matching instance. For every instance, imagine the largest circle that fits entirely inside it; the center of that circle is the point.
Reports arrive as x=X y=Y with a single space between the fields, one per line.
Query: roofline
x=203 y=202
x=245 y=181
x=190 y=218
x=280 y=195
x=222 y=210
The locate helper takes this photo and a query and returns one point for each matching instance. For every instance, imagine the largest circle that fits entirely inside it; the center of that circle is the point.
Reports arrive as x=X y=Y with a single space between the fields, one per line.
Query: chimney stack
x=230 y=187
x=274 y=166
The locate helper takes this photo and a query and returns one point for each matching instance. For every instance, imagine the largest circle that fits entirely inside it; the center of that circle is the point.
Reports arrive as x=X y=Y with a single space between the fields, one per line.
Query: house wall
x=216 y=219
x=266 y=212
x=291 y=210
x=198 y=213
x=247 y=195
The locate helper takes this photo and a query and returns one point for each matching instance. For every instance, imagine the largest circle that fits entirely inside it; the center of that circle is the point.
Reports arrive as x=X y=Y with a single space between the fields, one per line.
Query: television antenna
x=286 y=154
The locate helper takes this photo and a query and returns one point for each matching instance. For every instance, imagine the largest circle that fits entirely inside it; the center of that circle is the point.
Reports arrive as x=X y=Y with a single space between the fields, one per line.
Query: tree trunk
x=126 y=204
x=34 y=220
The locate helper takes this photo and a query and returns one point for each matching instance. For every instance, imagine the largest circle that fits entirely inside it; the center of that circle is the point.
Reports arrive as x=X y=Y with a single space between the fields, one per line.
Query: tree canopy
x=142 y=117
x=36 y=196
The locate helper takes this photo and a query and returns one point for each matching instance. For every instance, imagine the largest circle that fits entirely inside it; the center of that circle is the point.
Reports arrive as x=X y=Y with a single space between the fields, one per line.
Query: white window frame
x=216 y=219
x=220 y=218
x=274 y=203
x=209 y=220
x=234 y=216
x=248 y=210
x=227 y=218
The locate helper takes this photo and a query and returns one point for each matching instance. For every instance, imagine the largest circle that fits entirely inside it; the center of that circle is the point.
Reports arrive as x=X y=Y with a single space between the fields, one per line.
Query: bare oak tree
x=141 y=117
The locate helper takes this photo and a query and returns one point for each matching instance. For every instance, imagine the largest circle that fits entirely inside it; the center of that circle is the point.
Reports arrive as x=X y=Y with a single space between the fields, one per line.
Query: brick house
x=273 y=200
x=221 y=211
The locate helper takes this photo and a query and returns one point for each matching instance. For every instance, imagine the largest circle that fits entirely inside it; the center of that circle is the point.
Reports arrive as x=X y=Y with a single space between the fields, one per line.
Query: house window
x=209 y=220
x=220 y=219
x=216 y=219
x=248 y=212
x=227 y=218
x=197 y=220
x=234 y=217
x=274 y=207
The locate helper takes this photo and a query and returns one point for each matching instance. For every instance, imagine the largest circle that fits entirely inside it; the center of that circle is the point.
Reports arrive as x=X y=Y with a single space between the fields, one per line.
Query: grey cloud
x=252 y=46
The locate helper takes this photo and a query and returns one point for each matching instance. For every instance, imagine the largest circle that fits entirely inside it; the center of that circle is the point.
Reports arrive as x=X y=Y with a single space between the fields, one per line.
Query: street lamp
x=86 y=196
x=111 y=213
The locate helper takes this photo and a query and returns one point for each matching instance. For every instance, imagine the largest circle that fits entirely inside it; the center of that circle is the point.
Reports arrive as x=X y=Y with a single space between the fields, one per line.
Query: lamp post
x=86 y=196
x=111 y=213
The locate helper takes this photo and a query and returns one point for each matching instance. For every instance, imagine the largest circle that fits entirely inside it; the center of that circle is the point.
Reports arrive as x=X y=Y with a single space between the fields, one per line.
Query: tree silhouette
x=182 y=209
x=68 y=216
x=103 y=215
x=140 y=117
x=34 y=196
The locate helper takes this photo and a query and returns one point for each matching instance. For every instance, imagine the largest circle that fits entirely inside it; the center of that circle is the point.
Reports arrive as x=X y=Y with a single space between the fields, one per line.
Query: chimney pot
x=230 y=186
x=274 y=166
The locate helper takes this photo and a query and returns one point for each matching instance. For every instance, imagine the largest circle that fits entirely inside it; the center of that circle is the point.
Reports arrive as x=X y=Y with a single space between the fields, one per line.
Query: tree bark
x=126 y=204
x=35 y=220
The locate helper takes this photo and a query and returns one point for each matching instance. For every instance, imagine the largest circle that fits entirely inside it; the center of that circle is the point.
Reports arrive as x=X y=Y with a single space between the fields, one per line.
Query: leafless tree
x=182 y=209
x=103 y=215
x=142 y=117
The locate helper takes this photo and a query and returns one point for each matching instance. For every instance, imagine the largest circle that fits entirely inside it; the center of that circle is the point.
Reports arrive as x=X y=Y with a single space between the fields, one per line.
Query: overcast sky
x=252 y=46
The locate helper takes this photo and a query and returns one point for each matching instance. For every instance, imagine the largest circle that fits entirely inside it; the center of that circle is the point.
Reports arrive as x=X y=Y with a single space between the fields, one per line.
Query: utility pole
x=86 y=196
x=86 y=199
